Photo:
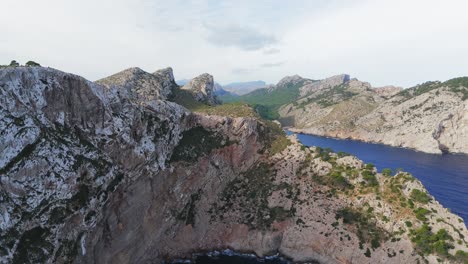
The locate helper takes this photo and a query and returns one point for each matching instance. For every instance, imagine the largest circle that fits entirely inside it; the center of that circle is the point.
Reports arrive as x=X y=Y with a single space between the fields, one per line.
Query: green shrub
x=420 y=196
x=387 y=172
x=32 y=64
x=14 y=63
x=366 y=228
x=421 y=213
x=461 y=256
x=426 y=242
x=337 y=180
x=343 y=154
x=370 y=178
x=197 y=142
x=324 y=154
x=368 y=253
x=279 y=144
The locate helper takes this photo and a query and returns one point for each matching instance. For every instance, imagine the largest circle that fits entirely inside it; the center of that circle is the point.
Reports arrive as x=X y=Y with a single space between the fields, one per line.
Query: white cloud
x=384 y=42
x=244 y=38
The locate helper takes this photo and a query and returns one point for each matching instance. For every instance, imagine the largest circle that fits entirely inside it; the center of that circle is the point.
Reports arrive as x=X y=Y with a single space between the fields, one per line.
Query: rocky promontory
x=111 y=172
x=202 y=87
x=431 y=117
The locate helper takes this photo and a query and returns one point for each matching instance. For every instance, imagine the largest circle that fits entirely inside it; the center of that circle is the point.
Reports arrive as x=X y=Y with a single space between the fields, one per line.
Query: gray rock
x=202 y=88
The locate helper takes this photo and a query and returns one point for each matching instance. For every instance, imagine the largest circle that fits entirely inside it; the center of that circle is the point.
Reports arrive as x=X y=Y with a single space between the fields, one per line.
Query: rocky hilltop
x=138 y=82
x=202 y=87
x=111 y=172
x=431 y=117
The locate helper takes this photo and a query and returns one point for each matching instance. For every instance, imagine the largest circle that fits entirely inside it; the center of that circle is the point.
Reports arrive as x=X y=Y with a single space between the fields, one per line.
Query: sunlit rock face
x=430 y=117
x=111 y=172
x=202 y=88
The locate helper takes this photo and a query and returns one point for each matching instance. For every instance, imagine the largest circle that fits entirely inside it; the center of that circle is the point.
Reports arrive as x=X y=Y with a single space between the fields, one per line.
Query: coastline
x=305 y=132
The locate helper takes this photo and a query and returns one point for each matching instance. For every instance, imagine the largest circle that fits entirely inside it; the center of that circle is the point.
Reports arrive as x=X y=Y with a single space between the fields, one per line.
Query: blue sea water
x=444 y=176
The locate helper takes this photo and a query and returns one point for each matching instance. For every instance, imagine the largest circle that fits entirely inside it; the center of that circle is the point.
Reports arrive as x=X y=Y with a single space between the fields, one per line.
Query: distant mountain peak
x=241 y=88
x=293 y=79
x=325 y=83
x=203 y=89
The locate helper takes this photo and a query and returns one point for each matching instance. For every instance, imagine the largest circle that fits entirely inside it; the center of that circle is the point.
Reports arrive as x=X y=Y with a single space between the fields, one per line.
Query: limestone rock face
x=202 y=87
x=157 y=86
x=325 y=83
x=66 y=143
x=452 y=132
x=431 y=119
x=292 y=80
x=166 y=73
x=388 y=91
x=93 y=173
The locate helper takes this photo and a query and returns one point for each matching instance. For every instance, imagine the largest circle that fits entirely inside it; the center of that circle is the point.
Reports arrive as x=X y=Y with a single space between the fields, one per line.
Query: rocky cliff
x=138 y=82
x=430 y=117
x=108 y=172
x=202 y=87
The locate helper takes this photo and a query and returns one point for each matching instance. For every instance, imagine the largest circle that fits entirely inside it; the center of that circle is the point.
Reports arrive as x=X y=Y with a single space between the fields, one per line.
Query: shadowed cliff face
x=109 y=174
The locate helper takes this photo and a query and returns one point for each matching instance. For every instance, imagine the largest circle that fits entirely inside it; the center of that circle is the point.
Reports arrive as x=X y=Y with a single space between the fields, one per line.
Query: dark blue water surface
x=444 y=176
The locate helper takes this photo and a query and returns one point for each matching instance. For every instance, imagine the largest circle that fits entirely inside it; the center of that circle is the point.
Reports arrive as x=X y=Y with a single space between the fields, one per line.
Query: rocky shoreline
x=344 y=136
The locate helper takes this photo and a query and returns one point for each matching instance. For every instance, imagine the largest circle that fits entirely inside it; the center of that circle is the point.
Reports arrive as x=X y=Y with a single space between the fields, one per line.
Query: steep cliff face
x=95 y=173
x=66 y=143
x=202 y=87
x=418 y=118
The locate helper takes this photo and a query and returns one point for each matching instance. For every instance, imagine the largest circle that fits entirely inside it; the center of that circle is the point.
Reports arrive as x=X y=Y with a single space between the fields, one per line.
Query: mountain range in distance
x=232 y=89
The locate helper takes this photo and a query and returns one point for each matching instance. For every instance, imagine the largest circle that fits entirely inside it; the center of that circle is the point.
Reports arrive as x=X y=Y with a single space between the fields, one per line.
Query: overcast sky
x=400 y=42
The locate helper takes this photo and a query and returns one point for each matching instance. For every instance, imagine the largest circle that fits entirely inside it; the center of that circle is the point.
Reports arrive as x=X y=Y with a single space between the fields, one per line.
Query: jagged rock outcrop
x=66 y=144
x=202 y=87
x=388 y=91
x=148 y=86
x=413 y=118
x=290 y=80
x=93 y=173
x=323 y=84
x=452 y=132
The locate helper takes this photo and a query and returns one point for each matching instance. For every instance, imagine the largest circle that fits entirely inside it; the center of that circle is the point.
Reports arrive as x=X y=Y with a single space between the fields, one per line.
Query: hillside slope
x=95 y=173
x=267 y=100
x=432 y=117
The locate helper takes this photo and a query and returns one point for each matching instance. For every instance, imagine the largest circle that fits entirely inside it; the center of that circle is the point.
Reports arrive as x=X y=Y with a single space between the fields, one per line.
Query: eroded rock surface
x=430 y=117
x=202 y=87
x=93 y=173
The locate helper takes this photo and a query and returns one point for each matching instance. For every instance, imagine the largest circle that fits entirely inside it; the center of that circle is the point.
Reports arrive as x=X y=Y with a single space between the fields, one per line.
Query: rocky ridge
x=138 y=82
x=202 y=87
x=418 y=118
x=93 y=173
x=324 y=84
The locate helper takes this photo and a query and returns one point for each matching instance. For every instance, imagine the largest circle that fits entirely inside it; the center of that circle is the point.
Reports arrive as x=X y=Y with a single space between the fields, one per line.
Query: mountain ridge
x=109 y=174
x=342 y=107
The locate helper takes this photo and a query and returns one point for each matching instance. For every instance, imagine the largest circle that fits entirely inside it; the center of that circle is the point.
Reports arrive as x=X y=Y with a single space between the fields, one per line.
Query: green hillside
x=457 y=85
x=267 y=101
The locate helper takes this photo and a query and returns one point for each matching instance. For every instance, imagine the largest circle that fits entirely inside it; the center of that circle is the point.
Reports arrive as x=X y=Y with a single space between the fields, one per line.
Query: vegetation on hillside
x=14 y=63
x=329 y=97
x=267 y=101
x=457 y=85
x=197 y=142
